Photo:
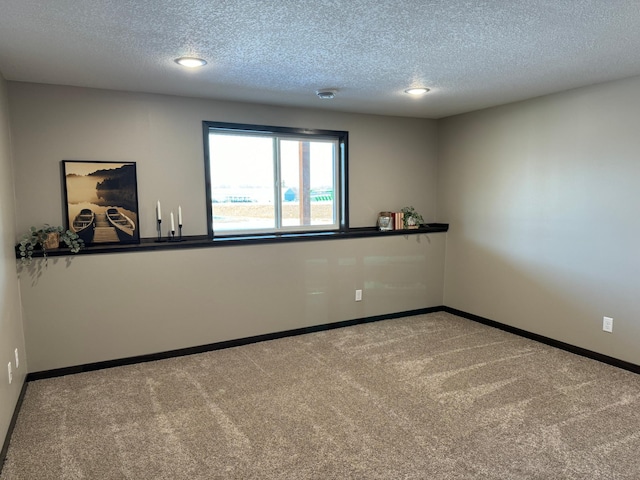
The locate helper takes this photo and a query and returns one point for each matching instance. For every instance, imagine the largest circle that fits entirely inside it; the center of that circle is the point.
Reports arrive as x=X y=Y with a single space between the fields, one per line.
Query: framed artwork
x=101 y=201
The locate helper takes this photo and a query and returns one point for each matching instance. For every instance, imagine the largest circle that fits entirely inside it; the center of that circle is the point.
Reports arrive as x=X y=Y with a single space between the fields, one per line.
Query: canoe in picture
x=124 y=225
x=84 y=224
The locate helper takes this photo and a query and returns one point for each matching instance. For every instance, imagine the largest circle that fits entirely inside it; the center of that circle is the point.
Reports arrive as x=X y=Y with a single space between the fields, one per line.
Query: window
x=274 y=179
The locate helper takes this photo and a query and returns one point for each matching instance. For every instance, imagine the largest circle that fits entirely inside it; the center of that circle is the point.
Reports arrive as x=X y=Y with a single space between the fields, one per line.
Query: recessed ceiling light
x=190 y=62
x=416 y=91
x=326 y=94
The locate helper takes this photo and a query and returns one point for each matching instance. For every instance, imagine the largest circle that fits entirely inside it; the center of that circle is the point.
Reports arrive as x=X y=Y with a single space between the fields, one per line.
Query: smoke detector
x=326 y=94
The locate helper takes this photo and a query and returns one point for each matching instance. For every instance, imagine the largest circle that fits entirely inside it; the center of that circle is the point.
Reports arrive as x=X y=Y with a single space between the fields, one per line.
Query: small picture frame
x=101 y=200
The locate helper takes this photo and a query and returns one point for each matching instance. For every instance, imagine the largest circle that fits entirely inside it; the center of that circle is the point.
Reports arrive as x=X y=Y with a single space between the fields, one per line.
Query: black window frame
x=342 y=167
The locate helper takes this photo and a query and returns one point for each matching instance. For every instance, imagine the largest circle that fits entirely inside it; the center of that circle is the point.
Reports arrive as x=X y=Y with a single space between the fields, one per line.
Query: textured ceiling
x=471 y=53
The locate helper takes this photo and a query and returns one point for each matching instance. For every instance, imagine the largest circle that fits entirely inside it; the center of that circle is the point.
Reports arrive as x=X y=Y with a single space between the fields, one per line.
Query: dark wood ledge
x=203 y=241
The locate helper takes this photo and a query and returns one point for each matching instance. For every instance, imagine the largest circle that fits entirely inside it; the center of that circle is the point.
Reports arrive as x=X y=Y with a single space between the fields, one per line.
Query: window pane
x=308 y=182
x=274 y=179
x=242 y=182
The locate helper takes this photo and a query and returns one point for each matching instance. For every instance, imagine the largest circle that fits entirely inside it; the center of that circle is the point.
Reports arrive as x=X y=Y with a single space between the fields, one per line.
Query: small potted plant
x=46 y=238
x=411 y=218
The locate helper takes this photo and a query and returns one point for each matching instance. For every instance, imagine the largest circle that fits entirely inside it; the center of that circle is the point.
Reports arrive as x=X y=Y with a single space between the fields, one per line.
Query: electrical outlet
x=358 y=295
x=10 y=373
x=17 y=358
x=607 y=324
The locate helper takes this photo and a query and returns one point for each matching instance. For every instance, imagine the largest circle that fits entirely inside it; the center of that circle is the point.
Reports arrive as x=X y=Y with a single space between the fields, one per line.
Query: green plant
x=411 y=218
x=38 y=238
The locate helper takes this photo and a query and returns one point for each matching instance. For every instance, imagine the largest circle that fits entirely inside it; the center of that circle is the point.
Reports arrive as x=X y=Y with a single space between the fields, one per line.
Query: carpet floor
x=426 y=397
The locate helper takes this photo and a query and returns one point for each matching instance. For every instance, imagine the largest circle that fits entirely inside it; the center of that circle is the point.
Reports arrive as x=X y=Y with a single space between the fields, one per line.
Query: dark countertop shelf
x=203 y=241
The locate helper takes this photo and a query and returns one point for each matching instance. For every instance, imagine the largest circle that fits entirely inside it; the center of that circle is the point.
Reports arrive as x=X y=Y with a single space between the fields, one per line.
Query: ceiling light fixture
x=190 y=62
x=416 y=91
x=326 y=94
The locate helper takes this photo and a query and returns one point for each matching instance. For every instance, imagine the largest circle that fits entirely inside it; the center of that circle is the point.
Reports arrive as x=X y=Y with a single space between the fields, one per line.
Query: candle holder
x=172 y=237
x=159 y=239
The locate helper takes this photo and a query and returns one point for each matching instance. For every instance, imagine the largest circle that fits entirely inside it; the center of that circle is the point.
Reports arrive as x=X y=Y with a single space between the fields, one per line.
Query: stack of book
x=398 y=220
x=391 y=221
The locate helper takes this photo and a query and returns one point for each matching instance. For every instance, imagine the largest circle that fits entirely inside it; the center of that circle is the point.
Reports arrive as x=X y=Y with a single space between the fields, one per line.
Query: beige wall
x=392 y=160
x=103 y=307
x=543 y=201
x=11 y=334
x=121 y=305
x=541 y=196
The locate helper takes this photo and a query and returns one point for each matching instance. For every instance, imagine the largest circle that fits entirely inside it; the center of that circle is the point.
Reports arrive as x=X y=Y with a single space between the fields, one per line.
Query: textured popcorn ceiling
x=471 y=53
